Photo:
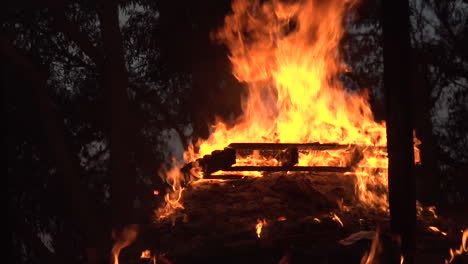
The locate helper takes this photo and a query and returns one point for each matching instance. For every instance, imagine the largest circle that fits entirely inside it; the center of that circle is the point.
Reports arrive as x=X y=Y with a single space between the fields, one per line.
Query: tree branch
x=73 y=32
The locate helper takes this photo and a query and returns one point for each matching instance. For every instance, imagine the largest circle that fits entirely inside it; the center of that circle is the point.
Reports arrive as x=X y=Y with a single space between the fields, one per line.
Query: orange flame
x=123 y=239
x=259 y=226
x=369 y=257
x=173 y=198
x=437 y=230
x=286 y=53
x=145 y=254
x=463 y=248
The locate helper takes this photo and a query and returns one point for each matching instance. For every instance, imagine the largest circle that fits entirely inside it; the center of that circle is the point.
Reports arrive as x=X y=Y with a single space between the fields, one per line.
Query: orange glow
x=281 y=218
x=156 y=192
x=402 y=259
x=437 y=230
x=432 y=209
x=146 y=254
x=316 y=220
x=259 y=226
x=417 y=142
x=462 y=250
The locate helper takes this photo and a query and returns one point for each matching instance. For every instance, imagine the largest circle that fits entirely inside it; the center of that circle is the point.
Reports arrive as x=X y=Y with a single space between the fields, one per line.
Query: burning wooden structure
x=302 y=169
x=284 y=156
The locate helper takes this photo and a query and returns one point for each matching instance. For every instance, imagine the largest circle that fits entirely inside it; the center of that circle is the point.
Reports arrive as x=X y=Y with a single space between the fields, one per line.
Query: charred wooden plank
x=289 y=168
x=218 y=160
x=289 y=157
x=280 y=146
x=223 y=177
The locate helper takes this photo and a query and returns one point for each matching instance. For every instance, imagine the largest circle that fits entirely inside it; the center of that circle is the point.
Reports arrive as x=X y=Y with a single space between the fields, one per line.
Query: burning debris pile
x=305 y=165
x=302 y=215
x=296 y=113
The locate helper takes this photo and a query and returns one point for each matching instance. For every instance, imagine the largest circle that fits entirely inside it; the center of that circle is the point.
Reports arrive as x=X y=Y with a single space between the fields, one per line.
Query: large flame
x=287 y=54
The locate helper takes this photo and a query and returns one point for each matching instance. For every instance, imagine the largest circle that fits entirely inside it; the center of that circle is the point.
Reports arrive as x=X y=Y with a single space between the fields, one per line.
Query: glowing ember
x=146 y=254
x=437 y=230
x=432 y=209
x=462 y=250
x=281 y=218
x=259 y=226
x=316 y=220
x=337 y=219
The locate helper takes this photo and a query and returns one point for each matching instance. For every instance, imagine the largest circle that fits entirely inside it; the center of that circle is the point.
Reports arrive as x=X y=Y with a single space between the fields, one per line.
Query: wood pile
x=306 y=215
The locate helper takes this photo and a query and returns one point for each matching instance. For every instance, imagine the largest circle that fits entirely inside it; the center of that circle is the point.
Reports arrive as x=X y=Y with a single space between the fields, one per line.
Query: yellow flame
x=402 y=259
x=461 y=250
x=258 y=227
x=286 y=53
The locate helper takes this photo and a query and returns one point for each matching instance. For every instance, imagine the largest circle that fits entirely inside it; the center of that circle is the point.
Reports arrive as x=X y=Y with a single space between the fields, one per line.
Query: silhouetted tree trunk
x=116 y=84
x=401 y=182
x=428 y=178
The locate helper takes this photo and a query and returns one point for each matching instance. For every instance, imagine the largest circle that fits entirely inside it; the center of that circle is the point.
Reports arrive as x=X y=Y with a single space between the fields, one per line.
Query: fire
x=462 y=250
x=123 y=239
x=172 y=198
x=259 y=226
x=146 y=254
x=432 y=209
x=287 y=54
x=337 y=219
x=437 y=230
x=369 y=257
